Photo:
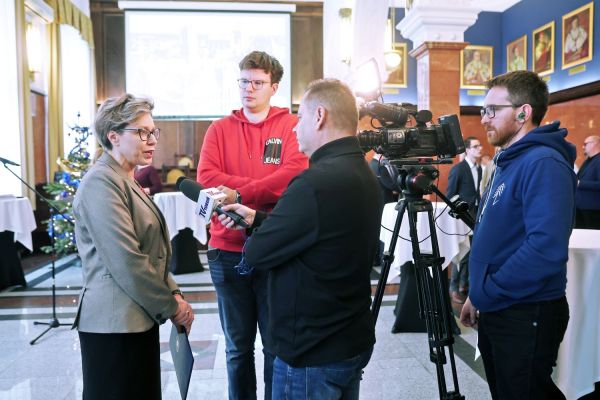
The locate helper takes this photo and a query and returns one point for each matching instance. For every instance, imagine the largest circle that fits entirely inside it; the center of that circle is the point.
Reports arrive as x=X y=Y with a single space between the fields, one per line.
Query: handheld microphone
x=5 y=161
x=207 y=201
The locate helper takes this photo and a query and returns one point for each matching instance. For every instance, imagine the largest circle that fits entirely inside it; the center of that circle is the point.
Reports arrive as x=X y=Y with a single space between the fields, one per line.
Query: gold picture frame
x=516 y=54
x=542 y=49
x=578 y=36
x=476 y=66
x=397 y=77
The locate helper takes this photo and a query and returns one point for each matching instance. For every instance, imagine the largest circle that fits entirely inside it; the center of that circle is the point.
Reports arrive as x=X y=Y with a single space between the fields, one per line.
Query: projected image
x=188 y=61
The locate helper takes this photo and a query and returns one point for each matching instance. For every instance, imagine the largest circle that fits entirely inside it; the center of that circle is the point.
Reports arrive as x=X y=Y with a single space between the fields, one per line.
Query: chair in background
x=172 y=173
x=184 y=160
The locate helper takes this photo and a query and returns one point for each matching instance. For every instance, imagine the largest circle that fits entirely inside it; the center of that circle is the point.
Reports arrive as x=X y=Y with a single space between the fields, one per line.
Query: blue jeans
x=333 y=381
x=242 y=304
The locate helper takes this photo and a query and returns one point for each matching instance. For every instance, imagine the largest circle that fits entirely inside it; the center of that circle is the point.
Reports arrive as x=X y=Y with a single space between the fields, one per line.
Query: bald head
x=591 y=146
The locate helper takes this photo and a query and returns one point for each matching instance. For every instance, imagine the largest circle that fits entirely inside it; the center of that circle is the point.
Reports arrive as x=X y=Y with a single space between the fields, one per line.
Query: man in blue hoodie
x=520 y=244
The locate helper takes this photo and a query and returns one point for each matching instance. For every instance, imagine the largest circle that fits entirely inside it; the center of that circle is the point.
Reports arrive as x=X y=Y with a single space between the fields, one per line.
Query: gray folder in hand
x=183 y=359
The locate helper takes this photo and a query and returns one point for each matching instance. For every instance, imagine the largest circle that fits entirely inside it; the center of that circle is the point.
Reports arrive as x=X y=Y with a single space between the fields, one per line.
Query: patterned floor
x=51 y=369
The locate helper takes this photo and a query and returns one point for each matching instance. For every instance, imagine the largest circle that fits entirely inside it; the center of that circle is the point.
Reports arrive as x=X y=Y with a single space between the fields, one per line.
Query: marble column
x=438 y=76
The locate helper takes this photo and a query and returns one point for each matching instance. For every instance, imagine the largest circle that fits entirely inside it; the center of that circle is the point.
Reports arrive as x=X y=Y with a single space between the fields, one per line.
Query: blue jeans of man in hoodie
x=242 y=301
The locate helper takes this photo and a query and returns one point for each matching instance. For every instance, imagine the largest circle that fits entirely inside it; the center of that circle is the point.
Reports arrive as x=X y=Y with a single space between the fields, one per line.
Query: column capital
x=426 y=47
x=438 y=20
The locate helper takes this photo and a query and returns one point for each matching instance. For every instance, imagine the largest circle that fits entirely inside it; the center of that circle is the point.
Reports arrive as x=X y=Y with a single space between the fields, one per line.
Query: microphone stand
x=54 y=322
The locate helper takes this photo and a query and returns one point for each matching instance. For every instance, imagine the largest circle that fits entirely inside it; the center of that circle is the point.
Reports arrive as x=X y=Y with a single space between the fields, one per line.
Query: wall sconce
x=346 y=35
x=391 y=55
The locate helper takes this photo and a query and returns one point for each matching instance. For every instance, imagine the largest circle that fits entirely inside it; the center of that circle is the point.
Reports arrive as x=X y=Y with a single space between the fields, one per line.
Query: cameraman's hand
x=247 y=213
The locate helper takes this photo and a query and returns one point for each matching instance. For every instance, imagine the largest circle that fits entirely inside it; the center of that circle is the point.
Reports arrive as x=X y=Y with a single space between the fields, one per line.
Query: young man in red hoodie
x=250 y=155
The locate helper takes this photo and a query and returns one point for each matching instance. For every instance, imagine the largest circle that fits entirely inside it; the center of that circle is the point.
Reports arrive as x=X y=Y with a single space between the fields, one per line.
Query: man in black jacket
x=464 y=181
x=587 y=197
x=318 y=244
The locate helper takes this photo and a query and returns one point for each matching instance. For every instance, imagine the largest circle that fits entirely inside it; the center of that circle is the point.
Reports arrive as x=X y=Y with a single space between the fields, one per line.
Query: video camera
x=396 y=141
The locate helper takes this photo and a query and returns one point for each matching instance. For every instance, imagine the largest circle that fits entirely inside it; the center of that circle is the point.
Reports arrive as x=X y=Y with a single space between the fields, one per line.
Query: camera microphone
x=207 y=200
x=388 y=112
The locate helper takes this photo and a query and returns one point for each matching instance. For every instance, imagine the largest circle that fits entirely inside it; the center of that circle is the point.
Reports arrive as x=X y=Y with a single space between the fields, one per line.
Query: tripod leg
x=434 y=301
x=41 y=334
x=388 y=258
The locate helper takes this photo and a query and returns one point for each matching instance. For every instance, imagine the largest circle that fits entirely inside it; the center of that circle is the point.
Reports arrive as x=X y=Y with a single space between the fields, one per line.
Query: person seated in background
x=587 y=196
x=147 y=177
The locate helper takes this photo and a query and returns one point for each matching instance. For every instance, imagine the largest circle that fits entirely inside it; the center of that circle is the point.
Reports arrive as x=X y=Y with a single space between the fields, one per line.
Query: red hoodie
x=256 y=159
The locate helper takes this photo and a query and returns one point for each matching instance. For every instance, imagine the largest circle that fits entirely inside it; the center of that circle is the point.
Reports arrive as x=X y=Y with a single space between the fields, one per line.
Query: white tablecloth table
x=180 y=213
x=452 y=235
x=578 y=364
x=16 y=224
x=16 y=215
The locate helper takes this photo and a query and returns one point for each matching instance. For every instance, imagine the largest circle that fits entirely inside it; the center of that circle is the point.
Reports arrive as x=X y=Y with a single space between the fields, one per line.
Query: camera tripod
x=434 y=303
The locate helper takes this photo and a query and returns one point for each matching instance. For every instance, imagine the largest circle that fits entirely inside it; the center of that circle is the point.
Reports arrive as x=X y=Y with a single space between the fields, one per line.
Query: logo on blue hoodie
x=498 y=193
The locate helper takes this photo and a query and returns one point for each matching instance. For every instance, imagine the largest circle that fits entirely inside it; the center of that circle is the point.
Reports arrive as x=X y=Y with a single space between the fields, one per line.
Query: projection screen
x=187 y=61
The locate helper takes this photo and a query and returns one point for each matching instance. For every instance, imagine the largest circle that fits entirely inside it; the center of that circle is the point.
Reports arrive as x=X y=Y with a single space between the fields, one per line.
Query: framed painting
x=397 y=76
x=542 y=50
x=476 y=65
x=577 y=36
x=516 y=55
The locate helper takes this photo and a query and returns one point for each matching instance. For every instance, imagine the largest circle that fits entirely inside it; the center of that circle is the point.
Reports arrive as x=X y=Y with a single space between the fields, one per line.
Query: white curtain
x=9 y=95
x=77 y=84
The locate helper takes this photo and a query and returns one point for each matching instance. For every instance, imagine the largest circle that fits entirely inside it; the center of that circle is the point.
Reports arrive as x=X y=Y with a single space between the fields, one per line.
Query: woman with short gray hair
x=124 y=247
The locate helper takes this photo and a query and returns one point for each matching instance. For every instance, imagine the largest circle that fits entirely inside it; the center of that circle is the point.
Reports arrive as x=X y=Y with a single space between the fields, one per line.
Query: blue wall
x=499 y=29
x=524 y=17
x=487 y=31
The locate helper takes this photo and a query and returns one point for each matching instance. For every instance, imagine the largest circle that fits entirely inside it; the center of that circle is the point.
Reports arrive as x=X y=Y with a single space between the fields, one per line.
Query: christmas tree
x=63 y=189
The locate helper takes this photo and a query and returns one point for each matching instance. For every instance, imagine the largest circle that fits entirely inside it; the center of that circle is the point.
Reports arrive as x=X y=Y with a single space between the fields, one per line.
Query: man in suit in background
x=587 y=197
x=464 y=181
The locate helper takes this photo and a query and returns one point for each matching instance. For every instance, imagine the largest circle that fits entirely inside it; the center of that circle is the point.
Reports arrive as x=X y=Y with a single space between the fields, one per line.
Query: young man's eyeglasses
x=256 y=85
x=490 y=110
x=144 y=134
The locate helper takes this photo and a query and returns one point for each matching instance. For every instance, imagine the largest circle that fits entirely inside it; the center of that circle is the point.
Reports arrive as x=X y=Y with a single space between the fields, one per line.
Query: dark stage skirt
x=118 y=366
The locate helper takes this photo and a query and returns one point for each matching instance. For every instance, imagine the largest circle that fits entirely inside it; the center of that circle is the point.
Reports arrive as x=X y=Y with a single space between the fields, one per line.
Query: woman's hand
x=247 y=213
x=184 y=315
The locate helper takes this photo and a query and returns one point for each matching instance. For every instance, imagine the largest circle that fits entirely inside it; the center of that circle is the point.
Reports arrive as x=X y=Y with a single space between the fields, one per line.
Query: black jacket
x=460 y=181
x=318 y=244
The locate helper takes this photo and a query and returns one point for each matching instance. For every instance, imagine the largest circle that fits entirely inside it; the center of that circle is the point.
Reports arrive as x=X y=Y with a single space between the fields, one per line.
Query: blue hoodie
x=520 y=244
